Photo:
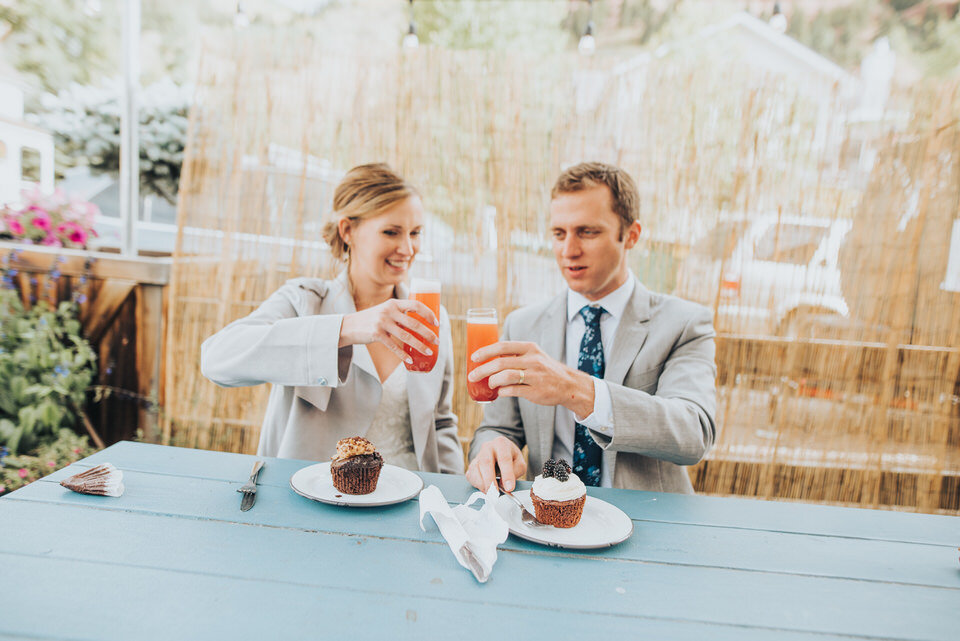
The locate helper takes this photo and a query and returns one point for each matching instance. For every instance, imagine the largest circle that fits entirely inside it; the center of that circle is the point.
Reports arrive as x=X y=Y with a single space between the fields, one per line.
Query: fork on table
x=249 y=489
x=525 y=516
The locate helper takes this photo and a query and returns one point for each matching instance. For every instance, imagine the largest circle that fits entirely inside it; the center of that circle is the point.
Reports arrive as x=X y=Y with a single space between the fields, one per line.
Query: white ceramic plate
x=601 y=525
x=394 y=485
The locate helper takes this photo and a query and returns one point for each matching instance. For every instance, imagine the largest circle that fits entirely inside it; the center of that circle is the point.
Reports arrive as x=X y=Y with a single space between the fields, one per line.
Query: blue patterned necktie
x=586 y=453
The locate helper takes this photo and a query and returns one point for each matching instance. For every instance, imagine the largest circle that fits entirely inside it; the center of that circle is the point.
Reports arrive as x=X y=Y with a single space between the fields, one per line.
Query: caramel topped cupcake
x=558 y=495
x=356 y=466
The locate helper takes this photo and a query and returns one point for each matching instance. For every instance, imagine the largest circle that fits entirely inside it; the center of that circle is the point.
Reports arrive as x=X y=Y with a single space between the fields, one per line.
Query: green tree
x=491 y=24
x=902 y=5
x=86 y=125
x=60 y=42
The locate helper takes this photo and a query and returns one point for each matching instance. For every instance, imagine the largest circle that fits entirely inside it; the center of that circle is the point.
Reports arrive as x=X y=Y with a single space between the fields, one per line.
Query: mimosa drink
x=428 y=293
x=481 y=331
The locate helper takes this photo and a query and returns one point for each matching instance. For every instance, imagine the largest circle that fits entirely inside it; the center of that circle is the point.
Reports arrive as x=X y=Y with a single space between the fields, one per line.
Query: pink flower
x=23 y=472
x=76 y=450
x=42 y=220
x=78 y=236
x=15 y=227
x=51 y=464
x=52 y=241
x=73 y=232
x=3 y=488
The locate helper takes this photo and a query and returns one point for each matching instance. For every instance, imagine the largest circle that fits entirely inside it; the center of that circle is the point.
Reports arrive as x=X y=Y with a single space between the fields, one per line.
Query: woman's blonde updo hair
x=366 y=191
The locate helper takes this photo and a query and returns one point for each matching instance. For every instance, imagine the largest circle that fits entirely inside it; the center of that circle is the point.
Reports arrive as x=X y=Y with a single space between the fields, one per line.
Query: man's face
x=587 y=242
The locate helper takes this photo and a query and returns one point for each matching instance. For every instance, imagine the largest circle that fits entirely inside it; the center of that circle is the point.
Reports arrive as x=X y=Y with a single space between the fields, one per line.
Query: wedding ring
x=520 y=382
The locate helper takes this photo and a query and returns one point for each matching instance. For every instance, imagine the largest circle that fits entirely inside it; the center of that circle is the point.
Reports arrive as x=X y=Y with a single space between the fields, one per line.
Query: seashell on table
x=104 y=479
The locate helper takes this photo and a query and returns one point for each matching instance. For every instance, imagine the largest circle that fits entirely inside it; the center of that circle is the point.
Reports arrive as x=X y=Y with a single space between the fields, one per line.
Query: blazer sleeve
x=500 y=417
x=676 y=423
x=276 y=345
x=445 y=421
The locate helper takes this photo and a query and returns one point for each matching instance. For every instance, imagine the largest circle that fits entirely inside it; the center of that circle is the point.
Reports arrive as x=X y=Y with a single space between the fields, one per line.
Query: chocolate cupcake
x=356 y=466
x=558 y=495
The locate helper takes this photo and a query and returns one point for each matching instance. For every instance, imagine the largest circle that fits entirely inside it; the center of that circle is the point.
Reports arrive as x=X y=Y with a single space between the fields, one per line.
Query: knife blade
x=249 y=489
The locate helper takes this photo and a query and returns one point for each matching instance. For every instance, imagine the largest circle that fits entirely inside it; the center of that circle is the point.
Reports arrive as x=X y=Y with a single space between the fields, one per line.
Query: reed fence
x=857 y=406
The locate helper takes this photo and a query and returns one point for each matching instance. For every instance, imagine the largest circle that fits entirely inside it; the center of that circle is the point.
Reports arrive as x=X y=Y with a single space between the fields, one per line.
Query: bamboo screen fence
x=854 y=405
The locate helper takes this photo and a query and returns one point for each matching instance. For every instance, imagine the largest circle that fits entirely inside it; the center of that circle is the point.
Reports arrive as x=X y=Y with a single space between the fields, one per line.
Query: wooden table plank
x=748 y=514
x=176 y=545
x=94 y=602
x=125 y=545
x=667 y=543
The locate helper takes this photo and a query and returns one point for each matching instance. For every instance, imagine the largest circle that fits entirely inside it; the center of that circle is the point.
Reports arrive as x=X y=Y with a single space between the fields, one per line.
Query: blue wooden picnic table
x=175 y=558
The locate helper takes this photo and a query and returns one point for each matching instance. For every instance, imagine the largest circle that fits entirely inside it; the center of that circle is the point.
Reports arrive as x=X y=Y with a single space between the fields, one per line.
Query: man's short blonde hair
x=625 y=198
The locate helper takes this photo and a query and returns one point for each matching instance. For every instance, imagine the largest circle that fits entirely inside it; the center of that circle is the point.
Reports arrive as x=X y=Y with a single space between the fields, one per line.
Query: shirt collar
x=614 y=302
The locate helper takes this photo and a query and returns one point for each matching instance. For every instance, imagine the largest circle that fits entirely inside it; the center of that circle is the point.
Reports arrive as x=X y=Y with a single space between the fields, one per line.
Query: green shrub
x=17 y=471
x=46 y=368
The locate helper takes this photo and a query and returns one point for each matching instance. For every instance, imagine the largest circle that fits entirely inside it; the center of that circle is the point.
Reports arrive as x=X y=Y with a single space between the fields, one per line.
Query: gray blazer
x=320 y=393
x=661 y=377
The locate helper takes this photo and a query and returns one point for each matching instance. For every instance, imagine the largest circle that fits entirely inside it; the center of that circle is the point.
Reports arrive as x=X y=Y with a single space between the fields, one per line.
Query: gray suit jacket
x=661 y=375
x=320 y=393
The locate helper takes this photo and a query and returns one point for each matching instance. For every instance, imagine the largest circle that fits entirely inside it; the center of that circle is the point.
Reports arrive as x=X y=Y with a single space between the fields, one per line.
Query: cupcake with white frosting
x=558 y=495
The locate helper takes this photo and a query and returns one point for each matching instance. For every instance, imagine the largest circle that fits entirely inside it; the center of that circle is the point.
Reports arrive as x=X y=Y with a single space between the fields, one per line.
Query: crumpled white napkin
x=473 y=535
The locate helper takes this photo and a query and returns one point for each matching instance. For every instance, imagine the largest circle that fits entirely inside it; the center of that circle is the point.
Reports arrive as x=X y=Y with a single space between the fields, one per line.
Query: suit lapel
x=553 y=335
x=631 y=334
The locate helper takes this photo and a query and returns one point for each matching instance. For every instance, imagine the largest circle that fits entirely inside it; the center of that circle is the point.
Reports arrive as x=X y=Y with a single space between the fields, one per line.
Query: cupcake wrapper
x=558 y=513
x=356 y=480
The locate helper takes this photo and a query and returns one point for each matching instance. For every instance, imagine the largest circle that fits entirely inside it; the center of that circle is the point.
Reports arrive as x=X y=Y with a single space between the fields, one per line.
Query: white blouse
x=390 y=431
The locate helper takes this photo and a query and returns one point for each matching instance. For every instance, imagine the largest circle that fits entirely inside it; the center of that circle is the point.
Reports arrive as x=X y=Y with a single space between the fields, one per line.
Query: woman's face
x=382 y=248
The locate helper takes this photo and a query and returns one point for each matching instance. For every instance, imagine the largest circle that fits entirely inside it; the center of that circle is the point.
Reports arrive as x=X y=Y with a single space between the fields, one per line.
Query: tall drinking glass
x=428 y=293
x=481 y=331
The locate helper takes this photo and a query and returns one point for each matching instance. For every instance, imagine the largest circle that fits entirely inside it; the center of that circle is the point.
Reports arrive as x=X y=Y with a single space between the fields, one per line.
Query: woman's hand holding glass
x=388 y=323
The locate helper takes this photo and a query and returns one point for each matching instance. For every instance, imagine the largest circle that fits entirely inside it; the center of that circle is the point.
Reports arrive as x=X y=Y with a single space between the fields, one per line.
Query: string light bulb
x=411 y=41
x=588 y=43
x=240 y=19
x=778 y=21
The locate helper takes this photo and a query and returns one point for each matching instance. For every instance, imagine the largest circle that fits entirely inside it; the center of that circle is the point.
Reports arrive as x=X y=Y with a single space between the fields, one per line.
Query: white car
x=771 y=274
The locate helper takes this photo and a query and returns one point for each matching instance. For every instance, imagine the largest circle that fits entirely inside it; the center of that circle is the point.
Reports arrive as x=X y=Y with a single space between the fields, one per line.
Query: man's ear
x=632 y=235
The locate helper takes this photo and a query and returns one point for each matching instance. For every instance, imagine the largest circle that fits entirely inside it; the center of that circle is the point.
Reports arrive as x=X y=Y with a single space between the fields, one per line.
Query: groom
x=612 y=377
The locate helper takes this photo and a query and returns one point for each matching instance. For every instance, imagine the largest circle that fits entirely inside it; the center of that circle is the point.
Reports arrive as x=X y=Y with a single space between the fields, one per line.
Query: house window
x=795 y=244
x=951 y=281
x=29 y=165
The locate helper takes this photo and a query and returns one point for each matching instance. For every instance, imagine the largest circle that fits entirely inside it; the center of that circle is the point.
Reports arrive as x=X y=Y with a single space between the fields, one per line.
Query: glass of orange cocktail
x=481 y=331
x=427 y=292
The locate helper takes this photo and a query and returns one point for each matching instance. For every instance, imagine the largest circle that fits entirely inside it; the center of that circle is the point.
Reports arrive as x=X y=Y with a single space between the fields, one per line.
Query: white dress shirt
x=601 y=420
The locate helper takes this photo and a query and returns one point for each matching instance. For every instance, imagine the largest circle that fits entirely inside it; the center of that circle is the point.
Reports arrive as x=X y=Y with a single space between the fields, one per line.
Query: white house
x=18 y=138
